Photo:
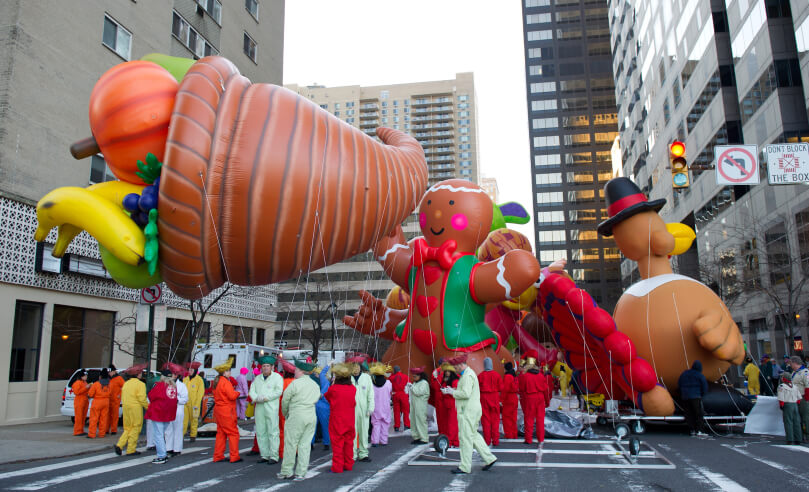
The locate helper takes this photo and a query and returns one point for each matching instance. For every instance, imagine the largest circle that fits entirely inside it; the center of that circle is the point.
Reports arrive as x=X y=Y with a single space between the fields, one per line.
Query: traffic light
x=679 y=166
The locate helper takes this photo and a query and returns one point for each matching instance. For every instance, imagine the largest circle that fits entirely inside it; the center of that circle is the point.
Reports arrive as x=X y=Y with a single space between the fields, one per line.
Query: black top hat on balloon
x=624 y=199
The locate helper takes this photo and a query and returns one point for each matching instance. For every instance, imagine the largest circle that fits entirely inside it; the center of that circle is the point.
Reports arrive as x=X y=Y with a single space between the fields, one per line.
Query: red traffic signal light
x=678 y=165
x=677 y=149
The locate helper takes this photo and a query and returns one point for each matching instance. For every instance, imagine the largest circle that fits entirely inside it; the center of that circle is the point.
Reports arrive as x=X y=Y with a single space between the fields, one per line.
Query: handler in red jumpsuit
x=490 y=384
x=436 y=399
x=450 y=413
x=508 y=396
x=533 y=394
x=80 y=404
x=401 y=402
x=341 y=396
x=224 y=411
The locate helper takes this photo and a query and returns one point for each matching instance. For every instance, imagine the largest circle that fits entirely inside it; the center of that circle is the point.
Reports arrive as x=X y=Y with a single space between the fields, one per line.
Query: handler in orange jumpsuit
x=508 y=395
x=100 y=392
x=401 y=402
x=116 y=383
x=80 y=389
x=534 y=399
x=490 y=384
x=224 y=411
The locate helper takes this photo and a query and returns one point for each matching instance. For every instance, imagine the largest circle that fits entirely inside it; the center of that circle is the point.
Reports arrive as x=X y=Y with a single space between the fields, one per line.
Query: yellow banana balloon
x=683 y=237
x=65 y=234
x=115 y=191
x=101 y=218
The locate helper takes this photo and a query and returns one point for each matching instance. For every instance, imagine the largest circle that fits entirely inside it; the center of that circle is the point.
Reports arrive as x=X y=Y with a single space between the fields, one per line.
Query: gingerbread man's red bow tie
x=442 y=254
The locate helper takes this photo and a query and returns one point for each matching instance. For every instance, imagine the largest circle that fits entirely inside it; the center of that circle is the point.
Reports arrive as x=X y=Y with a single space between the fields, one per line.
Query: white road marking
x=92 y=471
x=313 y=472
x=792 y=448
x=458 y=484
x=202 y=485
x=706 y=476
x=382 y=475
x=778 y=466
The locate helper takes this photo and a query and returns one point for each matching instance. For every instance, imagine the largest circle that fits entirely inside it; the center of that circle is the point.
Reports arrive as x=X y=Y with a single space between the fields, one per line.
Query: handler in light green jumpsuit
x=266 y=392
x=298 y=407
x=419 y=394
x=363 y=410
x=467 y=403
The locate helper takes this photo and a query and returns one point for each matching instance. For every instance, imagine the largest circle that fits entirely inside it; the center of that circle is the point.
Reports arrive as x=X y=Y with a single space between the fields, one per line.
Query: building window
x=25 y=341
x=547 y=160
x=99 y=171
x=80 y=338
x=250 y=48
x=252 y=7
x=778 y=8
x=778 y=261
x=236 y=334
x=191 y=39
x=552 y=198
x=213 y=8
x=117 y=38
x=758 y=94
x=544 y=123
x=543 y=87
x=546 y=105
x=704 y=100
x=540 y=35
x=552 y=141
x=537 y=3
x=537 y=18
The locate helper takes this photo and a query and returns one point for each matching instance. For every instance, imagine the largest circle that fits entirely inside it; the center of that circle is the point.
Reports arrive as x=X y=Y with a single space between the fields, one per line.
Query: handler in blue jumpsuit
x=322 y=408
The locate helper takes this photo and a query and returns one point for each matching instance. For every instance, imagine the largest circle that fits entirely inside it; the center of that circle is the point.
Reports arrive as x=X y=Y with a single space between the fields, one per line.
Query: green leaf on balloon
x=150 y=170
x=152 y=245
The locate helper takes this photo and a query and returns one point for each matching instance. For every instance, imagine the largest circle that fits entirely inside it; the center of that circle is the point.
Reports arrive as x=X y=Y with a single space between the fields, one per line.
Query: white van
x=323 y=356
x=245 y=355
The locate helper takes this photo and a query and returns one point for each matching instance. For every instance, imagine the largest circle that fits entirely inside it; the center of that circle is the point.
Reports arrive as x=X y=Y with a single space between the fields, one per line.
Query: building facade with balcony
x=441 y=115
x=62 y=315
x=711 y=73
x=573 y=123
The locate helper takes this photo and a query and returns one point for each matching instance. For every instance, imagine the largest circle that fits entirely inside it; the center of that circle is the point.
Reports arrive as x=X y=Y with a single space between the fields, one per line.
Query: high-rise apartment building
x=573 y=123
x=61 y=315
x=713 y=73
x=441 y=115
x=490 y=185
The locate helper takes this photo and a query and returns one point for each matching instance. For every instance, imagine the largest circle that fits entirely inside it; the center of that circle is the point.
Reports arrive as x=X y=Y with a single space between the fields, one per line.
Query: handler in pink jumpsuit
x=242 y=388
x=380 y=417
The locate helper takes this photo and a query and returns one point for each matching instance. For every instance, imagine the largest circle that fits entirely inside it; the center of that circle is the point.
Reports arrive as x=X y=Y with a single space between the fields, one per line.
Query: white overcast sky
x=375 y=42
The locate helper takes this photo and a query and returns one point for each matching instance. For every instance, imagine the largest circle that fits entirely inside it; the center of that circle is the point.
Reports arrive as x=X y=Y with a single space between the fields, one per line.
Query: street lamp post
x=332 y=310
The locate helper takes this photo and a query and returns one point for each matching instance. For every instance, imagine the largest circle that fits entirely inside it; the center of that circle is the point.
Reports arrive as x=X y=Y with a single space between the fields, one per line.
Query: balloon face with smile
x=456 y=209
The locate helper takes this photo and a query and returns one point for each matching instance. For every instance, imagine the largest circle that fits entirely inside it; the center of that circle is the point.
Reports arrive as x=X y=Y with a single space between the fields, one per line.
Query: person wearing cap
x=133 y=398
x=419 y=392
x=800 y=380
x=174 y=431
x=81 y=402
x=100 y=393
x=766 y=385
x=161 y=412
x=196 y=390
x=751 y=372
x=364 y=408
x=467 y=400
x=298 y=407
x=287 y=370
x=224 y=412
x=242 y=388
x=508 y=397
x=401 y=403
x=322 y=408
x=342 y=420
x=380 y=417
x=116 y=383
x=788 y=398
x=265 y=392
x=490 y=385
x=450 y=380
x=534 y=390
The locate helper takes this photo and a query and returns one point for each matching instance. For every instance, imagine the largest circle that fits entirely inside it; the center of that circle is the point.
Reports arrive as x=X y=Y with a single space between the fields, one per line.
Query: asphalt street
x=668 y=460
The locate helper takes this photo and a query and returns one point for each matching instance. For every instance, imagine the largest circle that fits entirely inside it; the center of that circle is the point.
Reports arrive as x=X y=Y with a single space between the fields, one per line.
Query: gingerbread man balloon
x=448 y=285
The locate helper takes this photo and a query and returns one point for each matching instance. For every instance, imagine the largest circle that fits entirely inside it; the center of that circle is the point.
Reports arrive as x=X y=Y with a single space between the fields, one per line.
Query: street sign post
x=150 y=296
x=788 y=163
x=736 y=165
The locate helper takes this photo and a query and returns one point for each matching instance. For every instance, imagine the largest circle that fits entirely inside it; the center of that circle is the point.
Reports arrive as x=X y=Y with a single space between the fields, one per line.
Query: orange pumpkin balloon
x=130 y=109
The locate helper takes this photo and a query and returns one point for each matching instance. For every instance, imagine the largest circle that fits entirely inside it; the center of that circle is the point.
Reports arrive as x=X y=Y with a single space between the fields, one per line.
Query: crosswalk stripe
x=380 y=476
x=93 y=471
x=777 y=466
x=55 y=466
x=793 y=448
x=313 y=472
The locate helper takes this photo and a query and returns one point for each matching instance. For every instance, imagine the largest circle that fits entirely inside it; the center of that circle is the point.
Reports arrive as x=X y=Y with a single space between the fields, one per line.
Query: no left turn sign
x=151 y=295
x=736 y=164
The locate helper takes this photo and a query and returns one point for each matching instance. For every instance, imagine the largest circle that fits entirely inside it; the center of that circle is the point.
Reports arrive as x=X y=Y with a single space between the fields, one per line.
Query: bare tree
x=313 y=321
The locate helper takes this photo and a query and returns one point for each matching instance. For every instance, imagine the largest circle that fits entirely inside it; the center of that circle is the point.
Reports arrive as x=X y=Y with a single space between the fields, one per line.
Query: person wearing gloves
x=380 y=417
x=224 y=412
x=161 y=412
x=401 y=403
x=116 y=383
x=298 y=407
x=100 y=392
x=174 y=431
x=242 y=388
x=508 y=396
x=342 y=399
x=196 y=390
x=800 y=380
x=321 y=377
x=788 y=398
x=133 y=398
x=467 y=400
x=80 y=404
x=365 y=406
x=535 y=398
x=419 y=392
x=448 y=402
x=437 y=398
x=490 y=386
x=265 y=392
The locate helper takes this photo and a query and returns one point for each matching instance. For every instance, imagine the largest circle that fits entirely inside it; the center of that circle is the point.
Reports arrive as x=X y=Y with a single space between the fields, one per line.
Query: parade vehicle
x=324 y=357
x=67 y=394
x=211 y=355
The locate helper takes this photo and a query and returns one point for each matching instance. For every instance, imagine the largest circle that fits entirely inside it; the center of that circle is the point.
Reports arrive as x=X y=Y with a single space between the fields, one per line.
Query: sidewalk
x=30 y=442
